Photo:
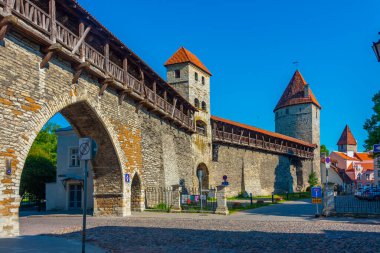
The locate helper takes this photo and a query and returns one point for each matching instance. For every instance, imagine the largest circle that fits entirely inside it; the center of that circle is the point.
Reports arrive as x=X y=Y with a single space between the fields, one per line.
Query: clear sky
x=250 y=46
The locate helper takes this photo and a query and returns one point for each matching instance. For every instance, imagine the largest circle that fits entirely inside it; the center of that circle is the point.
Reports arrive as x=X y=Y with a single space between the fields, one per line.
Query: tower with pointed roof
x=347 y=141
x=297 y=114
x=191 y=78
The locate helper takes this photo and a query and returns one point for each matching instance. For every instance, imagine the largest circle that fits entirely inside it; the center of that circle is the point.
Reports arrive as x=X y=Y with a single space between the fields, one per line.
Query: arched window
x=196 y=103
x=201 y=127
x=204 y=106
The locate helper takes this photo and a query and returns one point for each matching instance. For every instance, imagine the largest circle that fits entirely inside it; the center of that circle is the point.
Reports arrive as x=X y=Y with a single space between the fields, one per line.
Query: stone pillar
x=221 y=200
x=328 y=200
x=9 y=219
x=176 y=205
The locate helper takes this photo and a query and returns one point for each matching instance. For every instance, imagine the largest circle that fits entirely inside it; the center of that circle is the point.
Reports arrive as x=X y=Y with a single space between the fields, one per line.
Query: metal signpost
x=316 y=195
x=200 y=177
x=87 y=150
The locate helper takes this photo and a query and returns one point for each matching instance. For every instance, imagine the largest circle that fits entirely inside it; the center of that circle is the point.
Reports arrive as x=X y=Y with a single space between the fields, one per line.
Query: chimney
x=306 y=91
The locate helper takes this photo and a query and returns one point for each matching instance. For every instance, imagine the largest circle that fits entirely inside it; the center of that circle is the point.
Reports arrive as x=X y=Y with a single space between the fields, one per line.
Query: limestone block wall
x=130 y=139
x=258 y=172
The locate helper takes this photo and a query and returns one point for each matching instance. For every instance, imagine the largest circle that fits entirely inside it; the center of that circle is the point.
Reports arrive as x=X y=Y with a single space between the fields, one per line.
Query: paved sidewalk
x=42 y=244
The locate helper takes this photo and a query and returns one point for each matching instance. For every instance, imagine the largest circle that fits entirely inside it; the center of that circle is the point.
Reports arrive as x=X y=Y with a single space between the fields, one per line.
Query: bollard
x=250 y=196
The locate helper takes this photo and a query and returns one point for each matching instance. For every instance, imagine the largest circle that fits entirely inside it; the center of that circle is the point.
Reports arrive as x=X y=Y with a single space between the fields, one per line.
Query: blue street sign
x=225 y=183
x=376 y=148
x=316 y=192
x=127 y=178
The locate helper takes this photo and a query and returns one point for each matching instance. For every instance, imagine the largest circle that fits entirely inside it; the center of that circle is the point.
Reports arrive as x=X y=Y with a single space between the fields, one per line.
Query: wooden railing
x=94 y=56
x=260 y=144
x=28 y=10
x=66 y=37
x=33 y=15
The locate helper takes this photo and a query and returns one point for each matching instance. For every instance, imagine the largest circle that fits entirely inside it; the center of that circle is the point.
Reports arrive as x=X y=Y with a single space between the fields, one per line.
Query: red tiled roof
x=363 y=156
x=347 y=138
x=183 y=55
x=295 y=93
x=346 y=157
x=259 y=130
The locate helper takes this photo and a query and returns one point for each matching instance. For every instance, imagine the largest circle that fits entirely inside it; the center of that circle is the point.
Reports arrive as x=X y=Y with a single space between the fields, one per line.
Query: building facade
x=355 y=169
x=66 y=193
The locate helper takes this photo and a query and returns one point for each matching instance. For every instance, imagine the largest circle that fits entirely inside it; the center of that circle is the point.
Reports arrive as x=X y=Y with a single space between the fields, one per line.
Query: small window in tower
x=196 y=76
x=203 y=80
x=177 y=73
x=287 y=111
x=201 y=127
x=196 y=103
x=204 y=106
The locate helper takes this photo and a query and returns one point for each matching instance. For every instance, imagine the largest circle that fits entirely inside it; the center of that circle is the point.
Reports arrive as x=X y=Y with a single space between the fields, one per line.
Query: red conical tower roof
x=347 y=138
x=183 y=55
x=295 y=93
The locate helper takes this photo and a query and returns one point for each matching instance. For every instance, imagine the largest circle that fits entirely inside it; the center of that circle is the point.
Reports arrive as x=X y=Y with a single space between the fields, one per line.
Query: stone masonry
x=156 y=146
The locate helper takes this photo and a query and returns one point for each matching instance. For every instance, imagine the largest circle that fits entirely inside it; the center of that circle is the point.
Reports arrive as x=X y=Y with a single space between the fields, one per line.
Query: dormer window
x=196 y=76
x=177 y=73
x=203 y=80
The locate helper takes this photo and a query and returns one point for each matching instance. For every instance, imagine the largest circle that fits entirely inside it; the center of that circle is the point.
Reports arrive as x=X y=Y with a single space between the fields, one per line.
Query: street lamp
x=376 y=49
x=200 y=178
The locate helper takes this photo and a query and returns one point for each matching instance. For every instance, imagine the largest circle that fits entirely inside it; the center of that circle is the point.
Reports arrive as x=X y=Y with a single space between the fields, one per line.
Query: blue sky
x=250 y=46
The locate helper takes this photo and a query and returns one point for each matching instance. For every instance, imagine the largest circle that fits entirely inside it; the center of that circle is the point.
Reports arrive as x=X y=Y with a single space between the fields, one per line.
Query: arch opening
x=137 y=198
x=205 y=179
x=105 y=184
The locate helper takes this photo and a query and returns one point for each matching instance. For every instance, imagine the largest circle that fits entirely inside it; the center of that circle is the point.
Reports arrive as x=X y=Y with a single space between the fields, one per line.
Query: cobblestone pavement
x=153 y=232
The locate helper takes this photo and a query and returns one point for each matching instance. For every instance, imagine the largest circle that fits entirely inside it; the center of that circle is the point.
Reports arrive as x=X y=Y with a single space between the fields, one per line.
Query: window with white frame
x=74 y=157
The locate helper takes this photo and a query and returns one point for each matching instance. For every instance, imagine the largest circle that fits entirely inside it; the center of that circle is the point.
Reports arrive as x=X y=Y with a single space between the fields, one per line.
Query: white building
x=67 y=192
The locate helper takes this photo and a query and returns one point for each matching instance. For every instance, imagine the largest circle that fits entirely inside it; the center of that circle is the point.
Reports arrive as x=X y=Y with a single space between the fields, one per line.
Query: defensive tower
x=190 y=77
x=297 y=114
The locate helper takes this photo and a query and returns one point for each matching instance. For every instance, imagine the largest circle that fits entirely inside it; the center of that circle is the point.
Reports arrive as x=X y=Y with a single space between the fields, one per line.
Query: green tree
x=313 y=180
x=40 y=165
x=324 y=150
x=372 y=125
x=38 y=170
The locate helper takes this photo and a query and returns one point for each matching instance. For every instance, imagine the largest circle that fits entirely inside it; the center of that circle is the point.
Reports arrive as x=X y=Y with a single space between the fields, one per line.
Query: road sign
x=316 y=192
x=327 y=162
x=316 y=201
x=87 y=148
x=376 y=148
x=127 y=177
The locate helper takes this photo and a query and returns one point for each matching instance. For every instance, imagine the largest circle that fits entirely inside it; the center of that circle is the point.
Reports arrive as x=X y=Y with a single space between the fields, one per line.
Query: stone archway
x=137 y=194
x=206 y=176
x=109 y=199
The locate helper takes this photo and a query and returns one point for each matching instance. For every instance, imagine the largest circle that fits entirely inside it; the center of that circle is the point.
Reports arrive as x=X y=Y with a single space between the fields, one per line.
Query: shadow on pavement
x=149 y=239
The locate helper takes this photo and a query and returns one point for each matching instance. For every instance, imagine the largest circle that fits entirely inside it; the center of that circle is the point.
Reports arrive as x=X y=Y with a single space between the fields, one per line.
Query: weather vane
x=295 y=63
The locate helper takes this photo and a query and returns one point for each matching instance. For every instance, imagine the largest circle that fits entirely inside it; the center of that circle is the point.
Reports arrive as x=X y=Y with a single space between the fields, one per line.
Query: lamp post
x=200 y=177
x=376 y=49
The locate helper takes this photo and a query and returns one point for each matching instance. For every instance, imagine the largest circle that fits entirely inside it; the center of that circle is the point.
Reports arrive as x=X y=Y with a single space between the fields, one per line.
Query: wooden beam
x=174 y=105
x=53 y=20
x=241 y=135
x=155 y=92
x=105 y=84
x=81 y=40
x=107 y=57
x=5 y=25
x=50 y=51
x=121 y=97
x=125 y=71
x=8 y=6
x=79 y=70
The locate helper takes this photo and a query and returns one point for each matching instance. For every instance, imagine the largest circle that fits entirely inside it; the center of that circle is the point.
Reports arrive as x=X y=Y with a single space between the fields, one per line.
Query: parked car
x=373 y=194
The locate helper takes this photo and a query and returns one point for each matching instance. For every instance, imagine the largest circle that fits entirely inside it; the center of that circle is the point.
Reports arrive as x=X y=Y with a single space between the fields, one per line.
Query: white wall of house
x=69 y=172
